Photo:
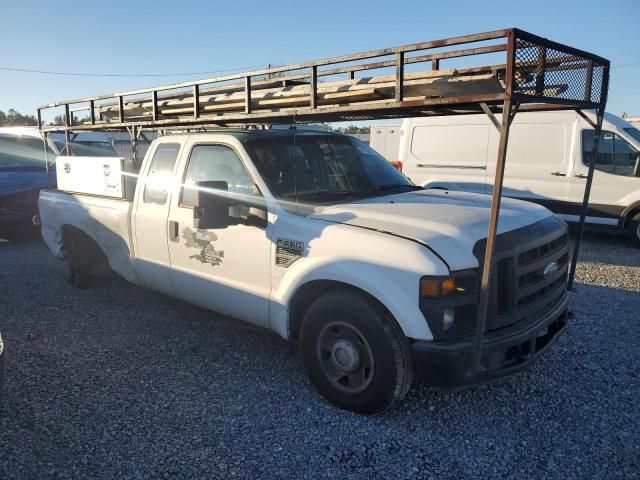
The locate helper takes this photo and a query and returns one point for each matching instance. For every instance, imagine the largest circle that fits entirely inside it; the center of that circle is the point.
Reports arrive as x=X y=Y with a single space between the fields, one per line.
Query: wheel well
x=309 y=292
x=89 y=246
x=630 y=215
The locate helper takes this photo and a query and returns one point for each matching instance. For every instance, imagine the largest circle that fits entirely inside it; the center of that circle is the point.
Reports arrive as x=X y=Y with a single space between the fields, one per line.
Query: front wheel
x=634 y=230
x=355 y=354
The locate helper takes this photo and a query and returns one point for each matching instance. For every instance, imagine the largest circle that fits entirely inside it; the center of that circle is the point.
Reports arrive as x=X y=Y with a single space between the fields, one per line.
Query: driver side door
x=614 y=185
x=223 y=269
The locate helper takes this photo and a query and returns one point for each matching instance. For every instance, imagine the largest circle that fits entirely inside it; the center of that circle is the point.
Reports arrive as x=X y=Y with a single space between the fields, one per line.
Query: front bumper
x=449 y=364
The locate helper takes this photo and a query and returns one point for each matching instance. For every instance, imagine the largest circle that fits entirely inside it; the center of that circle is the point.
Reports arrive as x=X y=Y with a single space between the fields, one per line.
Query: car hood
x=450 y=223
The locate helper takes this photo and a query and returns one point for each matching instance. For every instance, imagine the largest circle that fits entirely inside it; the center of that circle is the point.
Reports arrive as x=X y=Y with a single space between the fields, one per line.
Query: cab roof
x=246 y=135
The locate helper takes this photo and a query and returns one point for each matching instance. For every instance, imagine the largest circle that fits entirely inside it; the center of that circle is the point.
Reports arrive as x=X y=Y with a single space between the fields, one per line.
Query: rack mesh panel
x=554 y=75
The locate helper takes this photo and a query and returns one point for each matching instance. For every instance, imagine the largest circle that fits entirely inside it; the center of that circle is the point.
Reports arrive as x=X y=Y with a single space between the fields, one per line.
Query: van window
x=450 y=145
x=160 y=174
x=615 y=155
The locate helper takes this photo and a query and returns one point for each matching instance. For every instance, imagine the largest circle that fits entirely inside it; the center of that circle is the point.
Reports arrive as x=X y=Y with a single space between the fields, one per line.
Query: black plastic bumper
x=448 y=364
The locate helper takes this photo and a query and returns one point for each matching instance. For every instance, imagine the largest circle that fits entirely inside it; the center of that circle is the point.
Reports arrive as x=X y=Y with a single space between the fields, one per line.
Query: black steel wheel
x=355 y=353
x=345 y=357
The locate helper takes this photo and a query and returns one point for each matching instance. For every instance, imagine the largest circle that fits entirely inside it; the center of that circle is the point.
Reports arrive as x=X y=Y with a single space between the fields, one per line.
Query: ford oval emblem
x=549 y=269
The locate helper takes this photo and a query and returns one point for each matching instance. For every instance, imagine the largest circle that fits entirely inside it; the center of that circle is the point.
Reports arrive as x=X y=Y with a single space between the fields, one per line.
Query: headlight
x=449 y=303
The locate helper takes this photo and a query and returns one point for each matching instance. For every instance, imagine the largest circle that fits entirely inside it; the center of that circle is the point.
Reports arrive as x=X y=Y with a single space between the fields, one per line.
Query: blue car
x=23 y=172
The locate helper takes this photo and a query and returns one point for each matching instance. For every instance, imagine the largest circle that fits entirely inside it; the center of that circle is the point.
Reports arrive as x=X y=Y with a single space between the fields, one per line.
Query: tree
x=351 y=129
x=14 y=118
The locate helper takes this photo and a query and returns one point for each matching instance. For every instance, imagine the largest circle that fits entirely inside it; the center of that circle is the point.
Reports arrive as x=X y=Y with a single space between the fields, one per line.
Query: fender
x=396 y=289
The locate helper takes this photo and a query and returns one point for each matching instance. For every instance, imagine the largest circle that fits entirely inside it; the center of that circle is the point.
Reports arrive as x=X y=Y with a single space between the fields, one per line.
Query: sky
x=168 y=37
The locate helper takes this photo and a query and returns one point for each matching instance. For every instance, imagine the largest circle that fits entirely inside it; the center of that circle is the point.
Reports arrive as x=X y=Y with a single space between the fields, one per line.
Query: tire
x=79 y=266
x=634 y=230
x=355 y=354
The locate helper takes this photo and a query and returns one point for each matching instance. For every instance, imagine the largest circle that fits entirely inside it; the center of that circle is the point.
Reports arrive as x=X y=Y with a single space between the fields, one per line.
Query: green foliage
x=15 y=119
x=351 y=129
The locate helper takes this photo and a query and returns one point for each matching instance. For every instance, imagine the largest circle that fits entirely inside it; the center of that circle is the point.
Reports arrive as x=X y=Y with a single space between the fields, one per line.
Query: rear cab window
x=160 y=176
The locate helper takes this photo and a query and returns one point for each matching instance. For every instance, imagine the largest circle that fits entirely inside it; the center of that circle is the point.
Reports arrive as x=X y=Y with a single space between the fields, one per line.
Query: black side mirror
x=211 y=205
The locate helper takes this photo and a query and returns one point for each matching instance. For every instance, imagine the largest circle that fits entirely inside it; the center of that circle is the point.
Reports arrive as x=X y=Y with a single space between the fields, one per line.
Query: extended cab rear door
x=224 y=269
x=154 y=192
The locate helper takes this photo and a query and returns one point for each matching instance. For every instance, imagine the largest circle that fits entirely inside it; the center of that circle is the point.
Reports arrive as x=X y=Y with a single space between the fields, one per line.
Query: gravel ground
x=121 y=382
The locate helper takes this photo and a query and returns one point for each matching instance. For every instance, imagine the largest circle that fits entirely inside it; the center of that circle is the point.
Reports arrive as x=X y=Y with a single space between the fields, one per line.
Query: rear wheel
x=78 y=261
x=355 y=354
x=634 y=229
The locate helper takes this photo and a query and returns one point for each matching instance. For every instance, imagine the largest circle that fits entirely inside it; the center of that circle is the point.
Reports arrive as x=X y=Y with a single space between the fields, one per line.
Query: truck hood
x=450 y=223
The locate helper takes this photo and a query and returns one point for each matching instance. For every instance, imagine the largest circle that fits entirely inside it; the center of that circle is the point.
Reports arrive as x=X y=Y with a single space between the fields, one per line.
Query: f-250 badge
x=201 y=239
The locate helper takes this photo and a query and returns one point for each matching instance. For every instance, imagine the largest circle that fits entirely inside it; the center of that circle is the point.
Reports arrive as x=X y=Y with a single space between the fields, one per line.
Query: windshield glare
x=319 y=169
x=22 y=152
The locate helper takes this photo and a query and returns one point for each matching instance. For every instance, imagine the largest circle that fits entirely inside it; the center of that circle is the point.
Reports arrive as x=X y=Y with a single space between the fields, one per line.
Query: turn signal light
x=439 y=287
x=430 y=288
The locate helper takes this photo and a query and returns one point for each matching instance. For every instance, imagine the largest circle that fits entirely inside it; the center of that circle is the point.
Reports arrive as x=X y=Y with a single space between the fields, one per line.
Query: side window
x=22 y=152
x=156 y=189
x=615 y=154
x=221 y=163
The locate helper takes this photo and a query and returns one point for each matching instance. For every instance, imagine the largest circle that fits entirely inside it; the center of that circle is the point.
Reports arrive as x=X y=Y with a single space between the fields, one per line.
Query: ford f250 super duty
x=315 y=236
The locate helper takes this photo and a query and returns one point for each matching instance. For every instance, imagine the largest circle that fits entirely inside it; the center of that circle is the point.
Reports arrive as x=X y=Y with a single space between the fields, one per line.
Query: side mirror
x=211 y=209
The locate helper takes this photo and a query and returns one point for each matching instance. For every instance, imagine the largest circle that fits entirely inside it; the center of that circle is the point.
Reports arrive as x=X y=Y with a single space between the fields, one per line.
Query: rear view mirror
x=211 y=205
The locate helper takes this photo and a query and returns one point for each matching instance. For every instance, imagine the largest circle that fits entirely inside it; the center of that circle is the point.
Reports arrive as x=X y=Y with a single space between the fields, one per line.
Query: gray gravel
x=121 y=382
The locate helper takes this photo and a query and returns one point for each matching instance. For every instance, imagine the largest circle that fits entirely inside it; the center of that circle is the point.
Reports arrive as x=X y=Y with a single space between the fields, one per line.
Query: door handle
x=173 y=230
x=580 y=175
x=558 y=174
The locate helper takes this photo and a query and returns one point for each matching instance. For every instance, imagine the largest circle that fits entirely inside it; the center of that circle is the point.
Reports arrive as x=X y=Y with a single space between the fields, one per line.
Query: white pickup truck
x=318 y=238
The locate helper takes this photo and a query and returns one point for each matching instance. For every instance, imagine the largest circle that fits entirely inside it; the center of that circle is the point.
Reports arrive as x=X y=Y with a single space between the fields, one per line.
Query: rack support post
x=487 y=267
x=585 y=198
x=604 y=89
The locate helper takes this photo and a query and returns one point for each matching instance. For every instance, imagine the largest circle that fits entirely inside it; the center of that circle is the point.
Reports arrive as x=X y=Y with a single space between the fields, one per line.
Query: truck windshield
x=321 y=169
x=634 y=132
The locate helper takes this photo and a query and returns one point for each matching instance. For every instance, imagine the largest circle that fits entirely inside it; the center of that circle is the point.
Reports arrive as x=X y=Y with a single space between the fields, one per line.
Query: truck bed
x=107 y=219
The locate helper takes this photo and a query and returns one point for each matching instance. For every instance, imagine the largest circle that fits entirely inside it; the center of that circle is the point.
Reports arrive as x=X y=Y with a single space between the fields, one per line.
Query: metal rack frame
x=537 y=73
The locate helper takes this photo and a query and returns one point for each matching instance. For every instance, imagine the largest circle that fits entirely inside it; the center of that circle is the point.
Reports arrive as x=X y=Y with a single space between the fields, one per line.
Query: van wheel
x=79 y=266
x=355 y=354
x=634 y=230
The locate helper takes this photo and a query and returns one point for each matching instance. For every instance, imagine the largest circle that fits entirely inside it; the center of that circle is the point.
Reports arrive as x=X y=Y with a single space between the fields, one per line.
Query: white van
x=547 y=158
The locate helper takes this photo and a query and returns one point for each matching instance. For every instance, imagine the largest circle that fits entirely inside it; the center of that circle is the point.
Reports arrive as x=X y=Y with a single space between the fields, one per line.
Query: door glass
x=160 y=174
x=220 y=163
x=615 y=154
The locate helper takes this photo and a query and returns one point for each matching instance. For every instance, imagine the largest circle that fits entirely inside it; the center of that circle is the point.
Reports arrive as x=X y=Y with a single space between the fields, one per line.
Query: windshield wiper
x=392 y=186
